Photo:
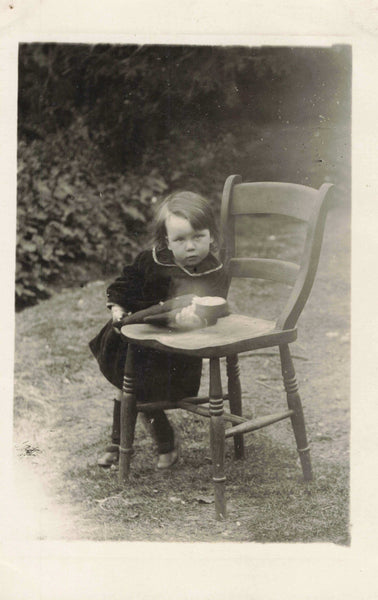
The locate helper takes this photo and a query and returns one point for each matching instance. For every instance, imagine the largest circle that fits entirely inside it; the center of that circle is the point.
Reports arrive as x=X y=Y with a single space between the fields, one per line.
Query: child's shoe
x=168 y=459
x=110 y=457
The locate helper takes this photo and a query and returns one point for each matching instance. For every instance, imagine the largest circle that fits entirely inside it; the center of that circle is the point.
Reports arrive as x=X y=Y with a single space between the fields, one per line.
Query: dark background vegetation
x=105 y=130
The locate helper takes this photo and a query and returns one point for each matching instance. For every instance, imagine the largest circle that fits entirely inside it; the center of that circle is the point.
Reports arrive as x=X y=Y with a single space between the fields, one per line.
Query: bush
x=72 y=214
x=77 y=219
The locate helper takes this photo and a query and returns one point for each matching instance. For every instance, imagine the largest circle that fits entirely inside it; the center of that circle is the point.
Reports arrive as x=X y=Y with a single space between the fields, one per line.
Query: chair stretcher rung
x=204 y=412
x=258 y=423
x=165 y=405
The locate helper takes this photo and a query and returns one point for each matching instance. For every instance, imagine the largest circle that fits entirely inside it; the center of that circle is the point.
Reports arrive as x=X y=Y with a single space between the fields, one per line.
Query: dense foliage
x=69 y=219
x=106 y=129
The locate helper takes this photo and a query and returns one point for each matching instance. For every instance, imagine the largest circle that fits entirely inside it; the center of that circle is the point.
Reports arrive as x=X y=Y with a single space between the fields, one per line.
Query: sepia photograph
x=188 y=254
x=182 y=292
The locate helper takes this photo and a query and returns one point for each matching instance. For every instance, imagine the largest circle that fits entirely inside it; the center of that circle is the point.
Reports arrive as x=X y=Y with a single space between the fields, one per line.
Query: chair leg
x=234 y=395
x=217 y=437
x=294 y=403
x=128 y=417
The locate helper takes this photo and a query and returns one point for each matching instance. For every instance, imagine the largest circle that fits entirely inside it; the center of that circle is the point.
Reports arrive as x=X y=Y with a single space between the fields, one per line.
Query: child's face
x=189 y=246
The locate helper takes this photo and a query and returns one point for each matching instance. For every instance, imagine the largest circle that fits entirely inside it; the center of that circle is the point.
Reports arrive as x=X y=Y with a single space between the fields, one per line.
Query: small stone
x=205 y=499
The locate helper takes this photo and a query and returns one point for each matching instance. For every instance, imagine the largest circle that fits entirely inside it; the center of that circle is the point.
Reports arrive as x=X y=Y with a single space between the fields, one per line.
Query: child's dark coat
x=154 y=277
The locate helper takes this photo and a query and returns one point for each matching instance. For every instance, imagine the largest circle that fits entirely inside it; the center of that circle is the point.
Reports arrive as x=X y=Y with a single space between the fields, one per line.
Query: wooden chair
x=236 y=333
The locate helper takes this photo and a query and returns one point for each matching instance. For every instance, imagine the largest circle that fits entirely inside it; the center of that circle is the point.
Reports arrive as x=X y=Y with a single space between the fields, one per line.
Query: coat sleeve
x=127 y=290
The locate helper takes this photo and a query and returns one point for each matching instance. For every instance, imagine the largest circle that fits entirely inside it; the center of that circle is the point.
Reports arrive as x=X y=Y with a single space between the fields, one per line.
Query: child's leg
x=161 y=430
x=116 y=427
x=165 y=437
x=157 y=423
x=111 y=454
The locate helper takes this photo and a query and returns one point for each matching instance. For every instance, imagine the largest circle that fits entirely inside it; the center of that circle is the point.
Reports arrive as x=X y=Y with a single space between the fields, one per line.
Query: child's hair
x=188 y=205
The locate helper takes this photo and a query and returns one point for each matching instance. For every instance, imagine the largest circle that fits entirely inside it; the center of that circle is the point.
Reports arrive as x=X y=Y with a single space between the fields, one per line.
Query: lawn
x=62 y=419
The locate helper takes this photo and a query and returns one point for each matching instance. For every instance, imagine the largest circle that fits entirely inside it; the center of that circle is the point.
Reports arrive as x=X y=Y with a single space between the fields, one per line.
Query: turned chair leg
x=217 y=437
x=128 y=416
x=234 y=396
x=294 y=403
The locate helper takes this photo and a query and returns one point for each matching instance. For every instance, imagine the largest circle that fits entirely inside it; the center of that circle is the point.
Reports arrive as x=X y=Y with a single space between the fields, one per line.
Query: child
x=180 y=262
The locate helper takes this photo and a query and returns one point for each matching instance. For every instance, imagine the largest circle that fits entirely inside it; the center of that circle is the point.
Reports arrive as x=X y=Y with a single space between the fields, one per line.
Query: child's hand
x=118 y=313
x=188 y=319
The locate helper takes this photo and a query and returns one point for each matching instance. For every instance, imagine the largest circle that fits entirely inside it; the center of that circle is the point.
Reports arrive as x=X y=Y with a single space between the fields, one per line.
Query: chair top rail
x=290 y=199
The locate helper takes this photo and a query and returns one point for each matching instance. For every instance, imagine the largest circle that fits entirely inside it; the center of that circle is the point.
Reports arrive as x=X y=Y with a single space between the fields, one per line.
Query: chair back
x=293 y=200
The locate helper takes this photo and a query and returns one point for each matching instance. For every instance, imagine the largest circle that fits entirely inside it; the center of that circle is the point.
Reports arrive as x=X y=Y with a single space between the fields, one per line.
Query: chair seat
x=230 y=335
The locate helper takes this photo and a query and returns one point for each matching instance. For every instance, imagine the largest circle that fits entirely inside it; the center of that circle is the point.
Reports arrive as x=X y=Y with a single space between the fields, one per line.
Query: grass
x=62 y=408
x=267 y=501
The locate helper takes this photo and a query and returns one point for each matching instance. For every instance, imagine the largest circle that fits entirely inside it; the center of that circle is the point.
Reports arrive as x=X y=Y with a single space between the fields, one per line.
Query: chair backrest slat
x=264 y=268
x=269 y=197
x=293 y=200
